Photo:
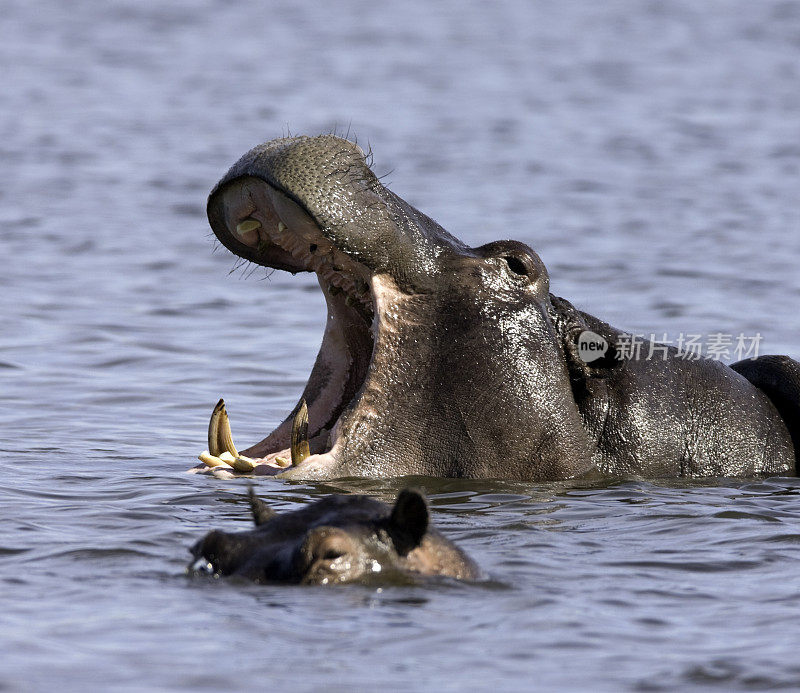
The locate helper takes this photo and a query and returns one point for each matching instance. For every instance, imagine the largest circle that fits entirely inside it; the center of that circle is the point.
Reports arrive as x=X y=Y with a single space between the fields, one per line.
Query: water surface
x=648 y=151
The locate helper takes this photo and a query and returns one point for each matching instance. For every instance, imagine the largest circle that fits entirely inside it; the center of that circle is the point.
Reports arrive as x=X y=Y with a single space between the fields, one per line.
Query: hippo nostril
x=312 y=248
x=516 y=265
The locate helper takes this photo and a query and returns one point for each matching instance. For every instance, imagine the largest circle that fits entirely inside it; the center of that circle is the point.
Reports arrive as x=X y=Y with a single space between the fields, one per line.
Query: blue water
x=649 y=151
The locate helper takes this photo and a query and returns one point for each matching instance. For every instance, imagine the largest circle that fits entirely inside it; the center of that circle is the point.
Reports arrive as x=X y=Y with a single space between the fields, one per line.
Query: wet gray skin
x=444 y=360
x=335 y=540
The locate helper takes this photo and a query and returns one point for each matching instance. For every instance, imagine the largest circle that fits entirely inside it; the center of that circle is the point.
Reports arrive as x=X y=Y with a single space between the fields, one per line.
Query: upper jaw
x=255 y=220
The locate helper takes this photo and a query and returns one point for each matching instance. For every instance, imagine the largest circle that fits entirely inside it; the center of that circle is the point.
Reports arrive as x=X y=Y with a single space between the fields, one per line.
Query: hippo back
x=779 y=378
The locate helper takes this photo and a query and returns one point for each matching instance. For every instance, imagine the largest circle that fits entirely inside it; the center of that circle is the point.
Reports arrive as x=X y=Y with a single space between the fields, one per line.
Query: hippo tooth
x=213 y=429
x=211 y=460
x=224 y=436
x=219 y=432
x=300 y=448
x=247 y=225
x=243 y=464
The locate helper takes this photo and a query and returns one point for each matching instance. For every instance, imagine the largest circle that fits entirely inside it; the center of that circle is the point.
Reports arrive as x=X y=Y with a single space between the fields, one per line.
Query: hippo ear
x=409 y=520
x=575 y=332
x=261 y=511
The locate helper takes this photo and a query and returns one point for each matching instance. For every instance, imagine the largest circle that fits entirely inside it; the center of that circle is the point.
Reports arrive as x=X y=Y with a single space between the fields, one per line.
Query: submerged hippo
x=444 y=360
x=337 y=539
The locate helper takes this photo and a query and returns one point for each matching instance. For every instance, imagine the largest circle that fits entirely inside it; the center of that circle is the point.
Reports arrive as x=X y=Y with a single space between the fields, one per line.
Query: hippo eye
x=332 y=555
x=516 y=265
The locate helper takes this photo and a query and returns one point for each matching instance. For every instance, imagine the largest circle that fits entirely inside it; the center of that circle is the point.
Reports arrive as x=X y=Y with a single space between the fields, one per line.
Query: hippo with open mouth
x=440 y=359
x=337 y=539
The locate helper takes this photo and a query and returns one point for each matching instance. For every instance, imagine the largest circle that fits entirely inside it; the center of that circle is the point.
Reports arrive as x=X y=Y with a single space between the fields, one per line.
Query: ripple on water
x=647 y=153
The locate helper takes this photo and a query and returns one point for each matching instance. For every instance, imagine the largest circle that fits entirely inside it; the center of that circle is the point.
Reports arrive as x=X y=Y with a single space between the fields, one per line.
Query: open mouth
x=262 y=224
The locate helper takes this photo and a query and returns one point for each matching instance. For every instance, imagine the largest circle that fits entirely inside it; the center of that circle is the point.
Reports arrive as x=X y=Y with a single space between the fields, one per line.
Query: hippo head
x=338 y=539
x=437 y=359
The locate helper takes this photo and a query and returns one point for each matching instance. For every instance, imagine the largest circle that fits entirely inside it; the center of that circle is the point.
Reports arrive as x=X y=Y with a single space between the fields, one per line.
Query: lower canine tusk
x=213 y=429
x=219 y=432
x=224 y=436
x=300 y=448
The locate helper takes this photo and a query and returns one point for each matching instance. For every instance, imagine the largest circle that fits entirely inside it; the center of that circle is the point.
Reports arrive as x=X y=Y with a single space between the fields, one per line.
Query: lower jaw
x=319 y=466
x=333 y=389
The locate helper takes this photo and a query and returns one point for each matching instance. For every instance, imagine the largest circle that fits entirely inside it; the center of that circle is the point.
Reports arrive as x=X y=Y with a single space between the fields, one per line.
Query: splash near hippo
x=439 y=359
